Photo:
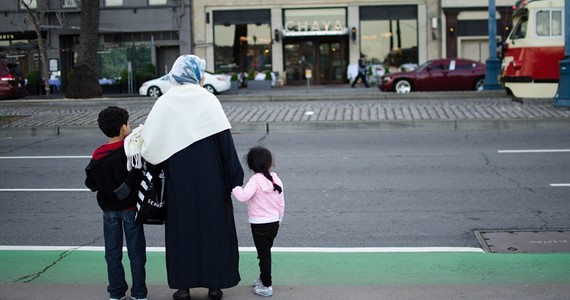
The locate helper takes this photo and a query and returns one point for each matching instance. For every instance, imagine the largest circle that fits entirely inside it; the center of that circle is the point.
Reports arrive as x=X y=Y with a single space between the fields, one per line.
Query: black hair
x=111 y=119
x=259 y=160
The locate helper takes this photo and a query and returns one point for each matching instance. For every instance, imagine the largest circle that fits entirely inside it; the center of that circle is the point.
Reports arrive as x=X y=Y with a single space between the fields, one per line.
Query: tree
x=37 y=18
x=85 y=80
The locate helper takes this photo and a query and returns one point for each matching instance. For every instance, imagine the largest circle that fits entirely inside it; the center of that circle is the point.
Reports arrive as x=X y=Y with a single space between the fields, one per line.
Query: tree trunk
x=37 y=19
x=85 y=80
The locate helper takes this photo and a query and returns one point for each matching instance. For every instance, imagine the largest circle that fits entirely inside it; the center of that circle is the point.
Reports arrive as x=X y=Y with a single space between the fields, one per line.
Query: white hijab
x=185 y=114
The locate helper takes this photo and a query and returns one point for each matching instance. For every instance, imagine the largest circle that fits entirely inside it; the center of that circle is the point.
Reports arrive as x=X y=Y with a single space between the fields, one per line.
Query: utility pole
x=562 y=97
x=493 y=64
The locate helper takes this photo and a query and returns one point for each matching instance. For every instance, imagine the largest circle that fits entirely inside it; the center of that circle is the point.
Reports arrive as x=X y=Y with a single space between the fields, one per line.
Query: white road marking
x=274 y=249
x=560 y=184
x=535 y=151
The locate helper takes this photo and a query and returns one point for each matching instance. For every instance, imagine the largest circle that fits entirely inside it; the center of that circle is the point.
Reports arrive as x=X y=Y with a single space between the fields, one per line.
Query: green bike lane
x=370 y=272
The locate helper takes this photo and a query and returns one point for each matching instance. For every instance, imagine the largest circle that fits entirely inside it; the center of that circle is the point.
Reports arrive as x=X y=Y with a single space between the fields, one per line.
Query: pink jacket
x=264 y=205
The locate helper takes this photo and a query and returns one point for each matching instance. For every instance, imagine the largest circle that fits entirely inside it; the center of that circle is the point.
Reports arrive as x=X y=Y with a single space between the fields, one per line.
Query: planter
x=259 y=84
x=234 y=86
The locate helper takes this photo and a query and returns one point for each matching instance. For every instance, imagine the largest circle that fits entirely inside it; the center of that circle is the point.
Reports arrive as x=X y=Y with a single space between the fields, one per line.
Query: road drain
x=524 y=241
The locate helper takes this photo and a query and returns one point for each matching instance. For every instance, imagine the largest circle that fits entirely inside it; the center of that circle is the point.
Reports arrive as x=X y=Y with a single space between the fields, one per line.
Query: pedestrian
x=361 y=71
x=117 y=194
x=263 y=194
x=188 y=134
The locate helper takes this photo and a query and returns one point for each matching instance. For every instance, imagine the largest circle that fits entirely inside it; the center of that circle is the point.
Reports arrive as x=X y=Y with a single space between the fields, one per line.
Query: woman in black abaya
x=188 y=133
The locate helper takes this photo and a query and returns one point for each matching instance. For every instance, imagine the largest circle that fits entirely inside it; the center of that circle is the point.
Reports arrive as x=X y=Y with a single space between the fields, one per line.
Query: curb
x=267 y=127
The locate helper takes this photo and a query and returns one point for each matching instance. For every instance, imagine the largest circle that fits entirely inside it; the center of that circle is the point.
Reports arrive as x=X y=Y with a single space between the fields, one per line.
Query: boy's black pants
x=263 y=236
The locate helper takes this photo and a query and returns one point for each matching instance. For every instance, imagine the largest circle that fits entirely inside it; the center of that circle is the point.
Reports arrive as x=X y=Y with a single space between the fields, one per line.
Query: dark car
x=12 y=81
x=437 y=75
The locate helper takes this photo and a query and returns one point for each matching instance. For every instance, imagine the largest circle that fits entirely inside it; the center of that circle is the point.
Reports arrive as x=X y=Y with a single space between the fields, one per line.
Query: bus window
x=557 y=22
x=549 y=23
x=519 y=32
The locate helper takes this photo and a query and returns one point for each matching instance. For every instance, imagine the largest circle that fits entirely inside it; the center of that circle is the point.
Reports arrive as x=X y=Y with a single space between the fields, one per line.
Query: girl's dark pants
x=263 y=236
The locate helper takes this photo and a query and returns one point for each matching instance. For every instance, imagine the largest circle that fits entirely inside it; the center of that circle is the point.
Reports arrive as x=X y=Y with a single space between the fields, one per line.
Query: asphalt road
x=343 y=189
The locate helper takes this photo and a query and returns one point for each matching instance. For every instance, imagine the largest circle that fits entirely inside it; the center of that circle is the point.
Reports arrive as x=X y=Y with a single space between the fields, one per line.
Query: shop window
x=391 y=43
x=156 y=2
x=242 y=47
x=69 y=3
x=113 y=3
x=33 y=4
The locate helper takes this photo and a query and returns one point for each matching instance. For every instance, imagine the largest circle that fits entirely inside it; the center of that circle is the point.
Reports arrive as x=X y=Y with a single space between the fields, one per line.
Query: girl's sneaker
x=257 y=283
x=263 y=291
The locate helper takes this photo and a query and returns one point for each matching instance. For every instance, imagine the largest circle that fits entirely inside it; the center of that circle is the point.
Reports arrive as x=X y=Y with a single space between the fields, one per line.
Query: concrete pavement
x=299 y=108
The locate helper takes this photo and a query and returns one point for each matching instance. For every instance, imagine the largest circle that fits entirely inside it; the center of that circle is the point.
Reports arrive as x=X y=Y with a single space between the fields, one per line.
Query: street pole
x=493 y=63
x=562 y=97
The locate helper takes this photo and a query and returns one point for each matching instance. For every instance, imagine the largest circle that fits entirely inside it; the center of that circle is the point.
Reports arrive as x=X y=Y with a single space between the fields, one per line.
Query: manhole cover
x=527 y=241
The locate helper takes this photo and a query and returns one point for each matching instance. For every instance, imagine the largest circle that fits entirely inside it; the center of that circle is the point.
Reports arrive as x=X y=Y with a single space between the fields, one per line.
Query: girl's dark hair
x=259 y=160
x=111 y=119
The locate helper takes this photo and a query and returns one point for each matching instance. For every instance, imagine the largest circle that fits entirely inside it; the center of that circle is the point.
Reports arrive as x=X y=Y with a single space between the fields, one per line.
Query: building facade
x=142 y=32
x=319 y=39
x=316 y=39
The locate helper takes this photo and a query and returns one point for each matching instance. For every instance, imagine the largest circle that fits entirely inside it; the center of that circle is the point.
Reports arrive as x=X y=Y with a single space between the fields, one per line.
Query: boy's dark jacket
x=117 y=188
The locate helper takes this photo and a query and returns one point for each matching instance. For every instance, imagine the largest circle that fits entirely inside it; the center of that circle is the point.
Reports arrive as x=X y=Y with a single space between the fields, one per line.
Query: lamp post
x=562 y=97
x=492 y=64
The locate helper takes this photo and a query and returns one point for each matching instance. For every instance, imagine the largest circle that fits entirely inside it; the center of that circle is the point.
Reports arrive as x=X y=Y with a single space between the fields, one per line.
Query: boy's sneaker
x=122 y=298
x=263 y=291
x=133 y=298
x=257 y=283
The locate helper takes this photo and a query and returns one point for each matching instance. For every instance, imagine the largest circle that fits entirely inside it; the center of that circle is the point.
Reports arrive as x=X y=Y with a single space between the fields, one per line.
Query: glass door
x=325 y=56
x=330 y=63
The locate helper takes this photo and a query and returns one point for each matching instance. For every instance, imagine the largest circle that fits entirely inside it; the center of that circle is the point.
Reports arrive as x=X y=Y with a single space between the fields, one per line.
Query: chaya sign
x=315 y=25
x=314 y=22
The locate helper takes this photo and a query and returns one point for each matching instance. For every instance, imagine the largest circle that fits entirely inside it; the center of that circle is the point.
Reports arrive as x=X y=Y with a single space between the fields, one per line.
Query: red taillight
x=8 y=77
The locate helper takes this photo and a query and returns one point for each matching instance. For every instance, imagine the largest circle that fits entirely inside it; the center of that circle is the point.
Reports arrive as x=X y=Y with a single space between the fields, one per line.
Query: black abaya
x=201 y=240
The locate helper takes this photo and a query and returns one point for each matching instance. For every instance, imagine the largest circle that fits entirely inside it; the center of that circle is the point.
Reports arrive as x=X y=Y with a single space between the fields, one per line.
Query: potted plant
x=234 y=82
x=257 y=84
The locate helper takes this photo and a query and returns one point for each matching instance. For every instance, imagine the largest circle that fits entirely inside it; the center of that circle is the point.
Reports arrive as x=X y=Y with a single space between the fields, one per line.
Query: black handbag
x=151 y=205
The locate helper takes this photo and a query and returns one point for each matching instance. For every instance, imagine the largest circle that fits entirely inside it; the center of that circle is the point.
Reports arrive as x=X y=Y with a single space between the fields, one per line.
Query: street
x=342 y=188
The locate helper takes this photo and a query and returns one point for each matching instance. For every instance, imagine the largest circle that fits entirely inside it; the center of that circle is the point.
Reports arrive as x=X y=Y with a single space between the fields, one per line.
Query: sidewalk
x=298 y=108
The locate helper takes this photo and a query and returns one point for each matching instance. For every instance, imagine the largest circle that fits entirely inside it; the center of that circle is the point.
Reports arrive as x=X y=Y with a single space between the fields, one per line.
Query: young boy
x=117 y=195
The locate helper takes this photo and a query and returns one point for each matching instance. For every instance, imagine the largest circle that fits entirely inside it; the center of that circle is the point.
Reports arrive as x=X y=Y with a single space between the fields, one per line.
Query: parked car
x=213 y=83
x=12 y=81
x=437 y=75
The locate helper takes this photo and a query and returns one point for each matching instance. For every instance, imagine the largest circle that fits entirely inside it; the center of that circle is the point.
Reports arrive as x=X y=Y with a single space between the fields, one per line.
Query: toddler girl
x=263 y=194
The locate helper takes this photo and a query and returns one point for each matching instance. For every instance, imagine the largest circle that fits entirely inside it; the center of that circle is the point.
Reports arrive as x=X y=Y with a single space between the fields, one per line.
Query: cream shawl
x=183 y=115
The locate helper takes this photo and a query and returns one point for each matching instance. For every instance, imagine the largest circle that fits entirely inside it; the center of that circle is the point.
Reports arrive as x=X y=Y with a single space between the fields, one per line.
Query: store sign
x=315 y=25
x=4 y=37
x=313 y=22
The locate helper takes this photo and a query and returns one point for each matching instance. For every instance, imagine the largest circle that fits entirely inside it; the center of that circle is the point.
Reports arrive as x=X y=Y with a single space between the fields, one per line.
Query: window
x=519 y=32
x=156 y=2
x=113 y=3
x=242 y=40
x=390 y=42
x=242 y=47
x=33 y=4
x=389 y=34
x=70 y=3
x=549 y=23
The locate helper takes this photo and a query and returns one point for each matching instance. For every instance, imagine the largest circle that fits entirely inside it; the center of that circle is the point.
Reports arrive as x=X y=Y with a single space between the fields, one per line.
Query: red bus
x=533 y=49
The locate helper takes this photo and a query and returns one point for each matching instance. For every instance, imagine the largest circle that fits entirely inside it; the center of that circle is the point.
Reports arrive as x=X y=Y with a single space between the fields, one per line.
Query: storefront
x=318 y=41
x=311 y=39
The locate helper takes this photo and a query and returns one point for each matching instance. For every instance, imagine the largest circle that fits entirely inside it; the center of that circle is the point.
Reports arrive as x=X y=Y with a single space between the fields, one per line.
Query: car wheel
x=403 y=86
x=479 y=83
x=210 y=89
x=154 y=91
